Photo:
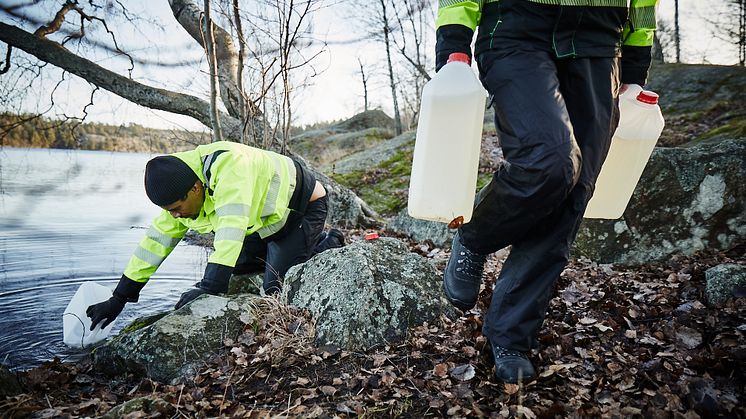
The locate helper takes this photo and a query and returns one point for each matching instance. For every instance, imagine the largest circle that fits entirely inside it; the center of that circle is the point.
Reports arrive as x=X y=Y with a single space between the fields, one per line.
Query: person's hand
x=623 y=88
x=189 y=296
x=105 y=312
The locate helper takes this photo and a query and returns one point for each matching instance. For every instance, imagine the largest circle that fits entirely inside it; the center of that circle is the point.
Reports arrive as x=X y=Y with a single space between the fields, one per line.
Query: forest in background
x=33 y=132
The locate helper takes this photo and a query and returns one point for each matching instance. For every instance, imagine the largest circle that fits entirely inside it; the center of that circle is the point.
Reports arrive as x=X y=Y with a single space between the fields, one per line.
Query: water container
x=446 y=152
x=640 y=125
x=75 y=322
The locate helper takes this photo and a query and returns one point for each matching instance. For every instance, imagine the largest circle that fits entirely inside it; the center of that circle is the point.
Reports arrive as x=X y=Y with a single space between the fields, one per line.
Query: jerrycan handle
x=459 y=56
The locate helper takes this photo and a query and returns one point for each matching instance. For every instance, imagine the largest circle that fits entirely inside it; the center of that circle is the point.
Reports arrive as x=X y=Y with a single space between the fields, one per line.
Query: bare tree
x=414 y=20
x=47 y=49
x=283 y=45
x=212 y=62
x=729 y=24
x=365 y=85
x=377 y=20
x=385 y=26
x=677 y=35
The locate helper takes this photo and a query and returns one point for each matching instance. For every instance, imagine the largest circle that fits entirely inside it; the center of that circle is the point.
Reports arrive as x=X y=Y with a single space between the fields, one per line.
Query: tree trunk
x=676 y=35
x=188 y=14
x=212 y=62
x=742 y=33
x=392 y=80
x=365 y=85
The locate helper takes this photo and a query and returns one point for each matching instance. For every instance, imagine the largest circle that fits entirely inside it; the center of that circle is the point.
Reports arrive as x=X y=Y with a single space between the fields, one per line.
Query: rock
x=374 y=156
x=723 y=281
x=141 y=407
x=246 y=284
x=179 y=342
x=366 y=293
x=375 y=118
x=324 y=151
x=9 y=384
x=421 y=230
x=688 y=199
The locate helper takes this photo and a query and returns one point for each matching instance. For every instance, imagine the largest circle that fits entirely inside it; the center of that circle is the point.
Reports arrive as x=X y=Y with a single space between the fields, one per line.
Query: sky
x=336 y=93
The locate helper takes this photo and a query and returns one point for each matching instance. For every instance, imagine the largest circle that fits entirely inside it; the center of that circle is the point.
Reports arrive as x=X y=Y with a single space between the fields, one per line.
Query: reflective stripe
x=230 y=233
x=242 y=210
x=270 y=203
x=207 y=162
x=166 y=241
x=606 y=3
x=449 y=3
x=642 y=17
x=148 y=257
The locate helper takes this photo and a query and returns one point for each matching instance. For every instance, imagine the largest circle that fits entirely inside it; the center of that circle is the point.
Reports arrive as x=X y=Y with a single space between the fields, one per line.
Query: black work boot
x=512 y=367
x=463 y=275
x=331 y=240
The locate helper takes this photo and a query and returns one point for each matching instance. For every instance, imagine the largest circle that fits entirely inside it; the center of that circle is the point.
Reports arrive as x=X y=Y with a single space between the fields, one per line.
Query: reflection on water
x=67 y=217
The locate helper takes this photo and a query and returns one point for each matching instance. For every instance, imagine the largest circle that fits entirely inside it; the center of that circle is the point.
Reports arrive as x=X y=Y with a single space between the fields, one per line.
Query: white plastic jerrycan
x=446 y=152
x=640 y=125
x=75 y=322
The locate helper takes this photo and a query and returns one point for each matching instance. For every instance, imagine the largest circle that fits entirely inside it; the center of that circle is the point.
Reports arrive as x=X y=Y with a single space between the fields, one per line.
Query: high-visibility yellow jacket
x=572 y=28
x=247 y=190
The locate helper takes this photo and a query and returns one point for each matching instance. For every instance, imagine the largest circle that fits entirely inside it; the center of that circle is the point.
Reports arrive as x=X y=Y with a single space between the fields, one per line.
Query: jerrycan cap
x=459 y=56
x=646 y=96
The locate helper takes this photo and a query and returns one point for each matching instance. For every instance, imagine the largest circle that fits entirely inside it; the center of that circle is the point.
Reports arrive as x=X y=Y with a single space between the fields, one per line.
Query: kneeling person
x=266 y=210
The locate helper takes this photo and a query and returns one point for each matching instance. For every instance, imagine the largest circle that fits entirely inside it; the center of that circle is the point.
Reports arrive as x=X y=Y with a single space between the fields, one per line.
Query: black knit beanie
x=168 y=179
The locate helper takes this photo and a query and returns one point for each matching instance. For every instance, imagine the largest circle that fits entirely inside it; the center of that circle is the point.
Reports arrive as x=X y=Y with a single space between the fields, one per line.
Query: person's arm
x=637 y=42
x=232 y=193
x=160 y=239
x=455 y=27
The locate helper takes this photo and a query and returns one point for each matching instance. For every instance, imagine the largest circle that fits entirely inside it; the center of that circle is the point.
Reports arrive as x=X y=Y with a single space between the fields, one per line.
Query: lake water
x=68 y=217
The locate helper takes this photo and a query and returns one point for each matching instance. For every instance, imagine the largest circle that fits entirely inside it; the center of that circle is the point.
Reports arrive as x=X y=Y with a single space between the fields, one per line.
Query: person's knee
x=549 y=173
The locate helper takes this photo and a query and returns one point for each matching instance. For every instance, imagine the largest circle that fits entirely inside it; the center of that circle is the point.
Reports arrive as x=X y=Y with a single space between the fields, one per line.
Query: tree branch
x=188 y=13
x=129 y=89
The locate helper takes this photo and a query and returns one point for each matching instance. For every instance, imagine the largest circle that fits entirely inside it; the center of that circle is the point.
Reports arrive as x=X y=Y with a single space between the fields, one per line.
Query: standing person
x=267 y=212
x=553 y=73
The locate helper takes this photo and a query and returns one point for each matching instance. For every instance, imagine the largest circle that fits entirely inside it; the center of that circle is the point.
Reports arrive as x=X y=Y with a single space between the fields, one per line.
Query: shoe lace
x=500 y=352
x=471 y=264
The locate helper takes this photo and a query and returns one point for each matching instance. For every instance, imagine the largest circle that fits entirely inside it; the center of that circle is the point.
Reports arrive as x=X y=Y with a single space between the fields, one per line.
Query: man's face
x=189 y=206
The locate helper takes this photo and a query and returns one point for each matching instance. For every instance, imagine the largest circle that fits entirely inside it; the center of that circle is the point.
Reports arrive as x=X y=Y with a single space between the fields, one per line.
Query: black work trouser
x=292 y=245
x=555 y=118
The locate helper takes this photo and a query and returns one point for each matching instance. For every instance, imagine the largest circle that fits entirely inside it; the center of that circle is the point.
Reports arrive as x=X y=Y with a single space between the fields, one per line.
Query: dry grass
x=285 y=332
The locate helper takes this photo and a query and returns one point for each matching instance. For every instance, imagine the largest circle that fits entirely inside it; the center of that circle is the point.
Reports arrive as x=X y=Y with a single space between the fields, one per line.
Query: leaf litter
x=618 y=341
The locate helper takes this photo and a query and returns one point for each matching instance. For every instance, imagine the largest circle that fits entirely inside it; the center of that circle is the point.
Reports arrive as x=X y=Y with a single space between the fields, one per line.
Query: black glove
x=450 y=39
x=127 y=290
x=106 y=311
x=215 y=282
x=189 y=296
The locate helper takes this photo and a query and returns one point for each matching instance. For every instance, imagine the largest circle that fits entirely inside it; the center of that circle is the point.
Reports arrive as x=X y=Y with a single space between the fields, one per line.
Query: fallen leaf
x=587 y=321
x=463 y=372
x=328 y=390
x=441 y=370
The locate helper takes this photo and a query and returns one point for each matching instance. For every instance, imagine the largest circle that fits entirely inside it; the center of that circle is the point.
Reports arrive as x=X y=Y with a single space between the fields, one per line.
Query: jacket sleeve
x=455 y=27
x=164 y=234
x=638 y=41
x=233 y=196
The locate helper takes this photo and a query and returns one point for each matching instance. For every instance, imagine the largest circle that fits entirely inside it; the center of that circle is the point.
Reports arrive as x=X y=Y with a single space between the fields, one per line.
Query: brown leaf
x=328 y=390
x=379 y=359
x=301 y=381
x=511 y=389
x=441 y=370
